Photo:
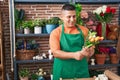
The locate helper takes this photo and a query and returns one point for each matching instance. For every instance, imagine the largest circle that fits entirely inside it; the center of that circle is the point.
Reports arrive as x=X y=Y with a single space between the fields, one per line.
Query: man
x=66 y=43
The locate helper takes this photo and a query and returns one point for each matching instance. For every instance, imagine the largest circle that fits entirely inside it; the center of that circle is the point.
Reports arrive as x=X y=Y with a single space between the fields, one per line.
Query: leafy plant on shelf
x=34 y=76
x=19 y=44
x=23 y=73
x=41 y=73
x=19 y=17
x=53 y=20
x=31 y=45
x=28 y=24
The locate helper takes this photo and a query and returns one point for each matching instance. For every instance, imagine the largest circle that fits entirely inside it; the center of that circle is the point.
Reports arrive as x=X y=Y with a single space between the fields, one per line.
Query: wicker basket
x=25 y=54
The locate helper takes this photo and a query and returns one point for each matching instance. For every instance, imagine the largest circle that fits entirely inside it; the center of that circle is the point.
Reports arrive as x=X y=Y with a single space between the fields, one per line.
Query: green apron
x=70 y=68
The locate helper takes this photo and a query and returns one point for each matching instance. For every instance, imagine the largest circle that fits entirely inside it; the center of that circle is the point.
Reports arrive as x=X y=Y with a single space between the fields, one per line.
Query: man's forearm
x=67 y=55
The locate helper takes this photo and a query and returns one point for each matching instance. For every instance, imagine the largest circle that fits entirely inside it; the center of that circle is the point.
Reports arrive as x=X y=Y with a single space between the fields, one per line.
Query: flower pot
x=50 y=27
x=24 y=78
x=113 y=58
x=44 y=30
x=100 y=58
x=41 y=78
x=37 y=30
x=26 y=31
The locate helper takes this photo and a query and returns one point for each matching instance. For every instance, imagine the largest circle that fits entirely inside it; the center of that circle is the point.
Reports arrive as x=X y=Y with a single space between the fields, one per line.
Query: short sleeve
x=54 y=40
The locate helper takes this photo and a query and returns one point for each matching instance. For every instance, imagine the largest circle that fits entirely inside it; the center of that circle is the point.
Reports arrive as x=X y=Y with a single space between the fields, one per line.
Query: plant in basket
x=26 y=49
x=31 y=45
x=19 y=44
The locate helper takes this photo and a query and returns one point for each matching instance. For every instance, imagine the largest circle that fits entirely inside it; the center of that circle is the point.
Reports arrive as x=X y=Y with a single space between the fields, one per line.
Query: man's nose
x=72 y=19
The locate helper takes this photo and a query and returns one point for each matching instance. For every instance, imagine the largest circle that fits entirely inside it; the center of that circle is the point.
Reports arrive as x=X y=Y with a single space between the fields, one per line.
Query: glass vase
x=103 y=29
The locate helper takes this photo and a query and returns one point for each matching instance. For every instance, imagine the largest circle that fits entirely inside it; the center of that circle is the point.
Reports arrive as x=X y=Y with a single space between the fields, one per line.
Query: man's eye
x=69 y=16
x=74 y=16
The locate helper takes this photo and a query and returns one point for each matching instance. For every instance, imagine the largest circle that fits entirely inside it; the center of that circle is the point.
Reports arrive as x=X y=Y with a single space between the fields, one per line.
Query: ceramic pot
x=100 y=58
x=23 y=78
x=113 y=58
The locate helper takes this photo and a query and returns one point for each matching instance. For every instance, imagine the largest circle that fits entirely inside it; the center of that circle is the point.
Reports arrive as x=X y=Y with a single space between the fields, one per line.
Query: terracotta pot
x=114 y=58
x=23 y=78
x=100 y=58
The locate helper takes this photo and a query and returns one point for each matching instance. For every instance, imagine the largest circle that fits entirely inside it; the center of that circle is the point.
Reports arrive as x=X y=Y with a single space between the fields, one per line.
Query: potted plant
x=37 y=26
x=26 y=49
x=43 y=24
x=34 y=76
x=19 y=18
x=113 y=55
x=24 y=74
x=101 y=54
x=27 y=26
x=51 y=24
x=41 y=73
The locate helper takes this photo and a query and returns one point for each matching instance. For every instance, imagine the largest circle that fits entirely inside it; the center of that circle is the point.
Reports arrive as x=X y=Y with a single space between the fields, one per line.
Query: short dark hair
x=68 y=7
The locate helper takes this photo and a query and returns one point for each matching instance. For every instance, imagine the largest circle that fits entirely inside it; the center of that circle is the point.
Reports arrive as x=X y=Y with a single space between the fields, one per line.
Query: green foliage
x=24 y=73
x=78 y=10
x=36 y=22
x=34 y=76
x=19 y=17
x=28 y=24
x=54 y=20
x=42 y=22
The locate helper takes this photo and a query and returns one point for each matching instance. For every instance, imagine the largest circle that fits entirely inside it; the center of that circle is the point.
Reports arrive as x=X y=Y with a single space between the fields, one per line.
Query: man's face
x=69 y=18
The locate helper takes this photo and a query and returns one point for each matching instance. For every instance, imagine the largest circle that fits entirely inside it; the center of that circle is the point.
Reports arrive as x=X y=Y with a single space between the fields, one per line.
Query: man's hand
x=88 y=52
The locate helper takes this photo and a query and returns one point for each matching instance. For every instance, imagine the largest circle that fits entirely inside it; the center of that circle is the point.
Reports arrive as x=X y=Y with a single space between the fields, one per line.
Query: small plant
x=19 y=18
x=36 y=22
x=27 y=24
x=30 y=45
x=19 y=44
x=23 y=73
x=34 y=76
x=41 y=72
x=54 y=20
x=42 y=22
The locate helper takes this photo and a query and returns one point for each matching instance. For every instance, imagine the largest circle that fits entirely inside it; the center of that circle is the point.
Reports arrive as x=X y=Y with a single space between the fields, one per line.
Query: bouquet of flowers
x=104 y=13
x=92 y=39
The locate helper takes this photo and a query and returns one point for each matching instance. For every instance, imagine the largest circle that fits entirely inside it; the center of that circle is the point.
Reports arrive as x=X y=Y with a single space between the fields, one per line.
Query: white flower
x=104 y=8
x=40 y=73
x=41 y=70
x=98 y=10
x=44 y=73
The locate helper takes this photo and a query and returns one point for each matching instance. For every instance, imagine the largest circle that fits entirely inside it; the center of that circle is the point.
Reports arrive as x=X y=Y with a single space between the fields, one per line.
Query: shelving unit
x=14 y=36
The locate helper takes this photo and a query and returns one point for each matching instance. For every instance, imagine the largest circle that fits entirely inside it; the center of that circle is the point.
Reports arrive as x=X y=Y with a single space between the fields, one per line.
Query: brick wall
x=33 y=11
x=4 y=8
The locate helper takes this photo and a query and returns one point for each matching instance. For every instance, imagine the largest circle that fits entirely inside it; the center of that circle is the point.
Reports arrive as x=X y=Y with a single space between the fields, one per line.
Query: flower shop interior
x=24 y=37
